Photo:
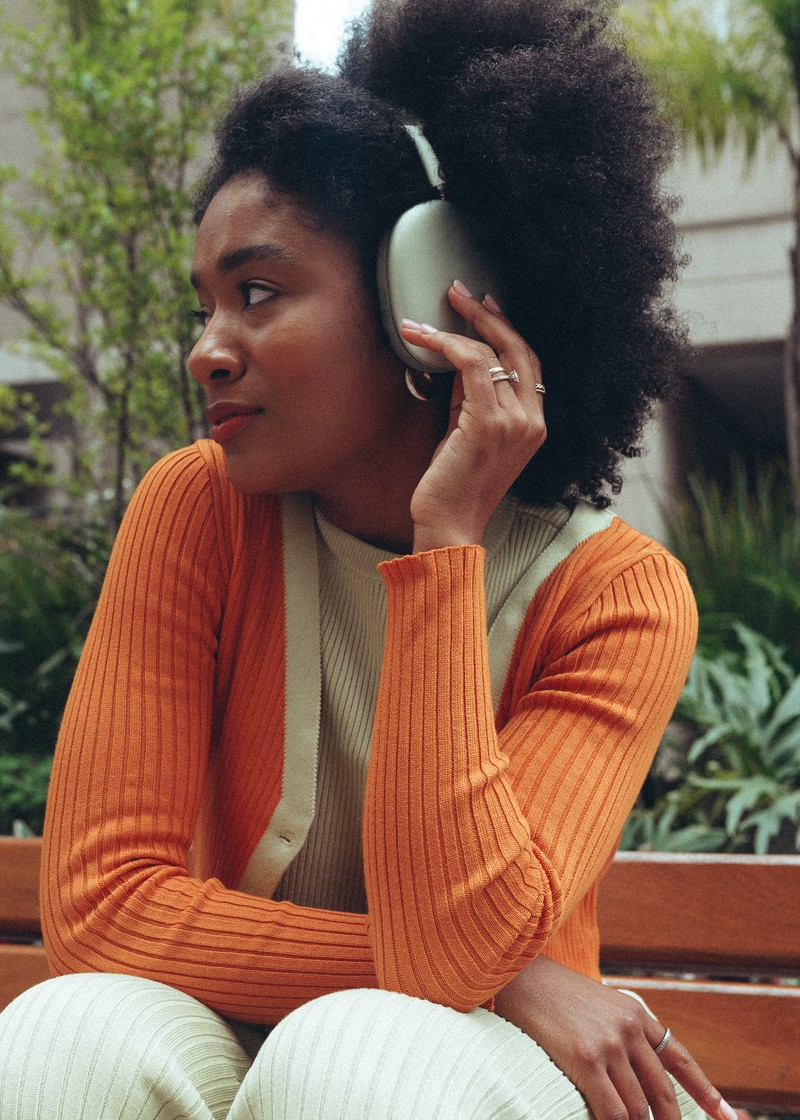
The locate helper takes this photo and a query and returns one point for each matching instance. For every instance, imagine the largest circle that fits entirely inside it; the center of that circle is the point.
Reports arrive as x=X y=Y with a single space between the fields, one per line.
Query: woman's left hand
x=605 y=1042
x=495 y=426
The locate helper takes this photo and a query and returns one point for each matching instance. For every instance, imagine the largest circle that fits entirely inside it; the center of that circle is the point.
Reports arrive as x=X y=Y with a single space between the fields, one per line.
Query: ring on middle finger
x=498 y=373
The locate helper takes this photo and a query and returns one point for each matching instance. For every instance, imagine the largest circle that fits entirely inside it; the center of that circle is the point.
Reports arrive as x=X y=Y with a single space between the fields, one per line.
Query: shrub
x=727 y=776
x=50 y=576
x=49 y=581
x=740 y=544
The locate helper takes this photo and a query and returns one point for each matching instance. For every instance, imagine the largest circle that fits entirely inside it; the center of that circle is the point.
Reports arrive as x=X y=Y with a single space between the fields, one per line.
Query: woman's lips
x=228 y=418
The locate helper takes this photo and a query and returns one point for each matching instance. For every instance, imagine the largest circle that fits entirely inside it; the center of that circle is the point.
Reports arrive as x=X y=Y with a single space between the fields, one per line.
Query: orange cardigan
x=484 y=837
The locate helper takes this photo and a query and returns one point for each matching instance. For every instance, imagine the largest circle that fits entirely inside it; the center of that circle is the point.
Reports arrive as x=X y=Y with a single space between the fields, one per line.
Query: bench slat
x=21 y=966
x=20 y=861
x=654 y=909
x=746 y=1037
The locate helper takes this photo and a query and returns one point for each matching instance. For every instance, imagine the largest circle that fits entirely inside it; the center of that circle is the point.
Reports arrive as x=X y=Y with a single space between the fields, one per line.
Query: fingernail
x=462 y=289
x=492 y=304
x=426 y=328
x=410 y=323
x=728 y=1112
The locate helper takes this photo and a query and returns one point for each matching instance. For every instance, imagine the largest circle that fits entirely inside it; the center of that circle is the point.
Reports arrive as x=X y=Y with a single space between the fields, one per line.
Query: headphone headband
x=427 y=156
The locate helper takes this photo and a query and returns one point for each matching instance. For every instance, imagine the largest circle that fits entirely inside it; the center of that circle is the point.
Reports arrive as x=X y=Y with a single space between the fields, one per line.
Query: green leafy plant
x=740 y=543
x=95 y=251
x=23 y=793
x=728 y=776
x=50 y=574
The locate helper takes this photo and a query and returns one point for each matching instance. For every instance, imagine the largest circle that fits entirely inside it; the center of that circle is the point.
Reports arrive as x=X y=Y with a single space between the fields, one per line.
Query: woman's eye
x=198 y=316
x=256 y=293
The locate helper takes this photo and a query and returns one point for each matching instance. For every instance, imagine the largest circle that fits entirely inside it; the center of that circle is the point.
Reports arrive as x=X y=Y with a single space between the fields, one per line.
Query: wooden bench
x=22 y=962
x=690 y=930
x=686 y=930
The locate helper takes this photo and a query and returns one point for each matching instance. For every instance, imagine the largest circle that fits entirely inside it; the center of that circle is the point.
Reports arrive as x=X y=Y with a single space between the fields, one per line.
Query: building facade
x=736 y=227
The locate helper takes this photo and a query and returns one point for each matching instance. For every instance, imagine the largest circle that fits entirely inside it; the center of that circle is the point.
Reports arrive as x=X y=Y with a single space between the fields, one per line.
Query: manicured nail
x=426 y=328
x=411 y=323
x=728 y=1112
x=492 y=304
x=462 y=289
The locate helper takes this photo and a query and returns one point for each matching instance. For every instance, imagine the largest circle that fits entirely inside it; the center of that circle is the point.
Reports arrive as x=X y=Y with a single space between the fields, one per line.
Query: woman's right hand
x=604 y=1041
x=495 y=426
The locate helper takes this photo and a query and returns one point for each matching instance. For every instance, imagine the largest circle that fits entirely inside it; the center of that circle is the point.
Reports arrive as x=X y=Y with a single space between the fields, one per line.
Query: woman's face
x=302 y=393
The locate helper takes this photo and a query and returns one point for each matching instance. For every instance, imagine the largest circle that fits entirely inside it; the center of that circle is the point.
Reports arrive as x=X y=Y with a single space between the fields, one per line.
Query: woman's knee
x=115 y=1045
x=365 y=1054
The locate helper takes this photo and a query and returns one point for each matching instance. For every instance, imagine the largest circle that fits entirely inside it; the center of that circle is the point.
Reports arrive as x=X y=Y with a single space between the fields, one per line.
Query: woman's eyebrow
x=229 y=262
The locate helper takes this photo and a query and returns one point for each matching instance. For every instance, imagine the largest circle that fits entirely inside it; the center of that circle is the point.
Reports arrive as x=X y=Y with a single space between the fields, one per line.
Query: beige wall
x=737 y=227
x=735 y=295
x=18 y=144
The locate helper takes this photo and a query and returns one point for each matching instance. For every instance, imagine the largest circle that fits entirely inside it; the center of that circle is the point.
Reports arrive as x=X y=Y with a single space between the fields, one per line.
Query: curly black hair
x=551 y=146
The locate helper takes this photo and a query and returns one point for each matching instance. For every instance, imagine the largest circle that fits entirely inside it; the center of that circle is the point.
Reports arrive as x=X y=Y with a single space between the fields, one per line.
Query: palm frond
x=723 y=75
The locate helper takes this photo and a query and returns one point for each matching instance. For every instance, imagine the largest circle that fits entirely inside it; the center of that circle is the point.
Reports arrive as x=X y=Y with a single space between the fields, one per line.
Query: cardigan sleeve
x=478 y=844
x=129 y=777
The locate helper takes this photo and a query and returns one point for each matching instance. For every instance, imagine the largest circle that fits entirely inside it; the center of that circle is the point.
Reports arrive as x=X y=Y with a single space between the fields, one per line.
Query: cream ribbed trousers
x=94 y=1046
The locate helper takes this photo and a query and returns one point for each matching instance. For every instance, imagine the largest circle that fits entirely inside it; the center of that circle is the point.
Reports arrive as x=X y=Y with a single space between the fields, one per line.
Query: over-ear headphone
x=425 y=251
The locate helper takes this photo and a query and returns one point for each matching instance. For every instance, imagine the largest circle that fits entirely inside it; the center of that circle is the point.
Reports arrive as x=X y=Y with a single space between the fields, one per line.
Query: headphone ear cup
x=426 y=250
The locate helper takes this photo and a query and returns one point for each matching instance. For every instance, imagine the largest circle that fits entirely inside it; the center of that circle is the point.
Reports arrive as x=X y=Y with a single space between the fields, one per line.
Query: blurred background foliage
x=50 y=575
x=95 y=243
x=727 y=776
x=95 y=252
x=740 y=541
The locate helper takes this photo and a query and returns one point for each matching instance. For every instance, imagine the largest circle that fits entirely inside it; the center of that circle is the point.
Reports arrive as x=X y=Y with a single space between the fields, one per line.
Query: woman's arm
x=478 y=843
x=131 y=769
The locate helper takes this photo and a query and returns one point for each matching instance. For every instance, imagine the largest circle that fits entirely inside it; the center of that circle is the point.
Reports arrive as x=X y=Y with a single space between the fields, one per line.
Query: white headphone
x=426 y=250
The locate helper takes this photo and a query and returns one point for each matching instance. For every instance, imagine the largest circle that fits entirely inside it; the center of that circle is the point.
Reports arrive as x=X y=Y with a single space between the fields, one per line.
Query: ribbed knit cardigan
x=484 y=835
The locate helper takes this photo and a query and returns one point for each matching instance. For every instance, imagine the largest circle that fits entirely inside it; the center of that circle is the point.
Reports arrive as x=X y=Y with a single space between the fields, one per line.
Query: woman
x=380 y=657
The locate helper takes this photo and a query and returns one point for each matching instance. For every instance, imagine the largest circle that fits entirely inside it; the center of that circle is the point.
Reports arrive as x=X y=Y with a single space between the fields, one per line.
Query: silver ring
x=504 y=375
x=663 y=1042
x=540 y=388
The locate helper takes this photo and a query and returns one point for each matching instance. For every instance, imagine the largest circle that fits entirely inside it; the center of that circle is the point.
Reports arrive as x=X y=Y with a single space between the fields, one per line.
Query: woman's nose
x=215 y=357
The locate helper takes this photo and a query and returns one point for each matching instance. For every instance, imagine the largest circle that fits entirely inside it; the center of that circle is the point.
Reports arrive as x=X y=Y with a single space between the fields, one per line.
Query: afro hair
x=551 y=146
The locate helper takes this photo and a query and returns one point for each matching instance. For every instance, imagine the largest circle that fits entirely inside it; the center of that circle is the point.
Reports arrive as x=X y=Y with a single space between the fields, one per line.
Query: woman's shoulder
x=618 y=572
x=197 y=466
x=588 y=531
x=617 y=546
x=190 y=487
x=590 y=548
x=198 y=469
